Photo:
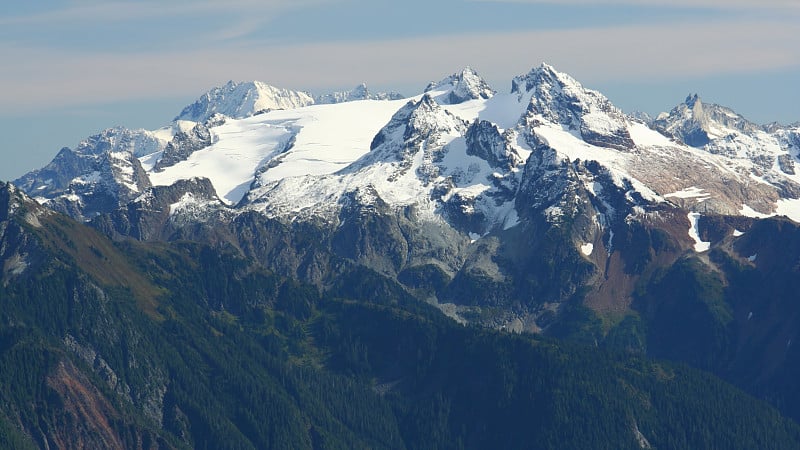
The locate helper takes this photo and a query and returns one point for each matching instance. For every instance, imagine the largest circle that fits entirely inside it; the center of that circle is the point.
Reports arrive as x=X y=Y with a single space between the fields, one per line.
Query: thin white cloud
x=239 y=29
x=37 y=79
x=231 y=19
x=716 y=4
x=117 y=11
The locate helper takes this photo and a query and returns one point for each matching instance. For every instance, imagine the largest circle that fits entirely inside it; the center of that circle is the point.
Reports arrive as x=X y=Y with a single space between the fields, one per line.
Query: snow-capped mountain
x=697 y=124
x=558 y=99
x=440 y=183
x=70 y=164
x=767 y=154
x=102 y=172
x=184 y=143
x=273 y=159
x=263 y=154
x=719 y=130
x=245 y=99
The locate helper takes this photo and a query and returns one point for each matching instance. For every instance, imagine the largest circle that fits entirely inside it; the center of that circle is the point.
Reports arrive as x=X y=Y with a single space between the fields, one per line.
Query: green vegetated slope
x=734 y=311
x=130 y=345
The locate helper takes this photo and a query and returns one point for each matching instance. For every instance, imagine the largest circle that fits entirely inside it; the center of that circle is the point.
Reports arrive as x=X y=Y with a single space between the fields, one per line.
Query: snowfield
x=240 y=147
x=323 y=139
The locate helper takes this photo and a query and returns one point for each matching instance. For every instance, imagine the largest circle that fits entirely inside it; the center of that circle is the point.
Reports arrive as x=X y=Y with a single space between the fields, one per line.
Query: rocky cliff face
x=183 y=144
x=19 y=252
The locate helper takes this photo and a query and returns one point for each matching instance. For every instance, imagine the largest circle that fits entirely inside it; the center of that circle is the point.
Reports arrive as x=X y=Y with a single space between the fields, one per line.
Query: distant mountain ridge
x=240 y=100
x=360 y=92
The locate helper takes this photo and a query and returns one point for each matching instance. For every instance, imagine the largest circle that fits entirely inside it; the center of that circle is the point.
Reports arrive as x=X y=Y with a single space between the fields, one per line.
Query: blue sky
x=72 y=68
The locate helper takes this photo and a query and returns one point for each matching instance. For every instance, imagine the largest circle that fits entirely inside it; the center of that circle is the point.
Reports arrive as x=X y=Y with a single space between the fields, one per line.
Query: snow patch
x=512 y=217
x=553 y=213
x=640 y=438
x=503 y=110
x=150 y=161
x=587 y=249
x=16 y=265
x=186 y=200
x=784 y=207
x=789 y=208
x=331 y=137
x=33 y=220
x=642 y=135
x=691 y=192
x=574 y=147
x=750 y=212
x=699 y=245
x=182 y=126
x=600 y=122
x=610 y=246
x=646 y=193
x=737 y=233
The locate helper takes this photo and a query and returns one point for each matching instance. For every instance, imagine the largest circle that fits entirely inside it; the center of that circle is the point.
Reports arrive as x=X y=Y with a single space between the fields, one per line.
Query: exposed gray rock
x=183 y=145
x=56 y=177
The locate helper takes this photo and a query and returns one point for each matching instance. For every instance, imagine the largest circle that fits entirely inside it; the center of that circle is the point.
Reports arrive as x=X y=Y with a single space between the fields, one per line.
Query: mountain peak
x=697 y=124
x=692 y=100
x=427 y=117
x=460 y=87
x=243 y=99
x=556 y=98
x=12 y=201
x=426 y=103
x=547 y=69
x=544 y=74
x=361 y=89
x=417 y=117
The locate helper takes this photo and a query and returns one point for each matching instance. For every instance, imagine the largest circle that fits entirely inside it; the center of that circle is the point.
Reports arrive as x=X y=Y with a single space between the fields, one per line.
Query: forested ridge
x=153 y=345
